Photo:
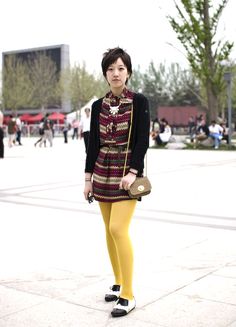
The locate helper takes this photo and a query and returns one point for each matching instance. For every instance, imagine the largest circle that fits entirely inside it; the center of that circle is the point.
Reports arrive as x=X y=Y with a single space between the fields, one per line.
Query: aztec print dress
x=114 y=122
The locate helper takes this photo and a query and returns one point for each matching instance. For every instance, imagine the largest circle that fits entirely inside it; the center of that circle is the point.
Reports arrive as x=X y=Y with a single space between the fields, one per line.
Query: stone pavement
x=54 y=265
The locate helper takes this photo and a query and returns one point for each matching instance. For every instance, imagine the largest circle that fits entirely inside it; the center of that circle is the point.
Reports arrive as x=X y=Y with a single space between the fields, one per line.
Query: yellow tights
x=117 y=217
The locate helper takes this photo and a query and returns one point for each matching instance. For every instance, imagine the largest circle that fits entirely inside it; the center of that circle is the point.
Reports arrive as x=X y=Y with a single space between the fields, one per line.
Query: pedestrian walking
x=48 y=131
x=1 y=135
x=11 y=130
x=105 y=160
x=18 y=130
x=66 y=128
x=41 y=133
x=75 y=126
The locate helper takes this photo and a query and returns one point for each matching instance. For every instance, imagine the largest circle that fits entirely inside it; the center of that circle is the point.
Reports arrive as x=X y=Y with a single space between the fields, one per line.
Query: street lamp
x=228 y=79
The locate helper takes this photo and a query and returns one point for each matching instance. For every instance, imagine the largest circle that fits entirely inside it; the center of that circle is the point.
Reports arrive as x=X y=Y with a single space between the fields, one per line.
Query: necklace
x=114 y=110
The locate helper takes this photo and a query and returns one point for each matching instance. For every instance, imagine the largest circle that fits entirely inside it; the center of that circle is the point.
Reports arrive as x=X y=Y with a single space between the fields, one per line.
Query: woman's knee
x=117 y=231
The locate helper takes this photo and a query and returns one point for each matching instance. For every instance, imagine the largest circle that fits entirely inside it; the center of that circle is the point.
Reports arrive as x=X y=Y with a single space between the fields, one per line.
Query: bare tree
x=44 y=79
x=17 y=90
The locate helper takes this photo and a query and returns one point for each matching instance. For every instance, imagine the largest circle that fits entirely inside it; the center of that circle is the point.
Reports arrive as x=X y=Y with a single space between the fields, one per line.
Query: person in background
x=202 y=132
x=1 y=135
x=191 y=128
x=75 y=126
x=215 y=132
x=11 y=131
x=41 y=132
x=107 y=177
x=225 y=133
x=66 y=128
x=85 y=128
x=155 y=128
x=18 y=130
x=48 y=131
x=164 y=136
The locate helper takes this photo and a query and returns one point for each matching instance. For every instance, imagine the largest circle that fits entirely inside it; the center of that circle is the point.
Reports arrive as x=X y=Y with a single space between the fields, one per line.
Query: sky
x=90 y=27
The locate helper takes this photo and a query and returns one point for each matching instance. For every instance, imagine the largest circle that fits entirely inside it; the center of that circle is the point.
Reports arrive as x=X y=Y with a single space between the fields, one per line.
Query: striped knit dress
x=114 y=122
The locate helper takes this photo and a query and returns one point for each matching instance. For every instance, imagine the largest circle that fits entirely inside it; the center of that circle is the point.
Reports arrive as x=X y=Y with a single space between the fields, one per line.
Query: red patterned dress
x=114 y=122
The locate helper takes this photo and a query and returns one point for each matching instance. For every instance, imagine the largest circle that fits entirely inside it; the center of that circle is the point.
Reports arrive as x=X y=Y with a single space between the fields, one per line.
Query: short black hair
x=163 y=120
x=111 y=56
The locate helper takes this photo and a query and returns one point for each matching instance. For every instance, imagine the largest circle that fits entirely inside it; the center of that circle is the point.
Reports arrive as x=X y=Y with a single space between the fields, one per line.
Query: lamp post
x=228 y=79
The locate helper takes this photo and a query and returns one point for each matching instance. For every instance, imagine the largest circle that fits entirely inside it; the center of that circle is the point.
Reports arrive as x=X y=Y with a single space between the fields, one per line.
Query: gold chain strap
x=126 y=155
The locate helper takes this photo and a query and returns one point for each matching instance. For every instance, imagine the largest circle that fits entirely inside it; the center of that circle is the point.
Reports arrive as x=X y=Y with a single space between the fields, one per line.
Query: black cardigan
x=139 y=140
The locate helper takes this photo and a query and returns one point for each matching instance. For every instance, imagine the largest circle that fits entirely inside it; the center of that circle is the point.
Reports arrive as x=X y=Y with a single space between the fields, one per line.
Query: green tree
x=17 y=90
x=233 y=95
x=78 y=86
x=136 y=80
x=183 y=87
x=155 y=87
x=101 y=86
x=196 y=29
x=82 y=86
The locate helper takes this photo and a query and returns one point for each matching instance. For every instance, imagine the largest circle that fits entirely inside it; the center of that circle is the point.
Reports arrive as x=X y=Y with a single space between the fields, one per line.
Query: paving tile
x=170 y=279
x=227 y=271
x=130 y=321
x=55 y=314
x=13 y=301
x=185 y=311
x=212 y=287
x=47 y=274
x=232 y=325
x=52 y=288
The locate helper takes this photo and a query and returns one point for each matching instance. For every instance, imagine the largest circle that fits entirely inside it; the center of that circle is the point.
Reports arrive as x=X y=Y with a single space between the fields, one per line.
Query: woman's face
x=117 y=75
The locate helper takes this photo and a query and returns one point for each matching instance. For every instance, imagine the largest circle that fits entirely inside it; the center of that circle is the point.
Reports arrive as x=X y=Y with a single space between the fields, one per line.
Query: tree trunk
x=212 y=103
x=210 y=66
x=43 y=110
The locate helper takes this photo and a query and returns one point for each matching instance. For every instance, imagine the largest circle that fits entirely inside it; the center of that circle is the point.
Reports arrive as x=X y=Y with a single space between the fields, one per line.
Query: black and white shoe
x=113 y=293
x=123 y=307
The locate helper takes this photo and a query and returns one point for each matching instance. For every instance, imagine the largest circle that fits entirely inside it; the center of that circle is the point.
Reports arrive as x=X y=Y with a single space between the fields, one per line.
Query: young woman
x=164 y=136
x=105 y=176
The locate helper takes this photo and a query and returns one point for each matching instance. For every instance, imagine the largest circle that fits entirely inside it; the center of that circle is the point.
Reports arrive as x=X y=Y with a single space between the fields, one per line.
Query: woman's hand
x=127 y=181
x=88 y=188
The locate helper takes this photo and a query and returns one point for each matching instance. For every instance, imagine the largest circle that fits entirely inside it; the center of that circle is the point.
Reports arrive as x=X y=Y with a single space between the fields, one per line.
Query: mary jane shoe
x=113 y=293
x=123 y=307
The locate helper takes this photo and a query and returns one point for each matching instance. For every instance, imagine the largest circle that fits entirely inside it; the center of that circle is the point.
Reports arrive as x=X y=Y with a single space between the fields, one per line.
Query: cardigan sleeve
x=140 y=132
x=93 y=147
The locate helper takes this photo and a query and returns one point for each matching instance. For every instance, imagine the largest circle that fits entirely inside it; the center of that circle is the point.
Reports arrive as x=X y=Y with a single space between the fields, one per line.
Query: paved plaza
x=54 y=263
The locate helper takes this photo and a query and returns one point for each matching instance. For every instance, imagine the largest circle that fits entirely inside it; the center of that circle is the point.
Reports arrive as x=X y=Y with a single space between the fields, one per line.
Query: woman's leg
x=120 y=218
x=158 y=140
x=105 y=208
x=39 y=140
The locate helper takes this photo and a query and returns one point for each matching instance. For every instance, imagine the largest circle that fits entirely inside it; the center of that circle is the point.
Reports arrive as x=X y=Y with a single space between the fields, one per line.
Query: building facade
x=60 y=56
